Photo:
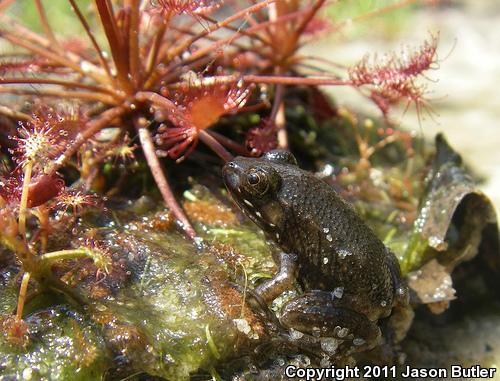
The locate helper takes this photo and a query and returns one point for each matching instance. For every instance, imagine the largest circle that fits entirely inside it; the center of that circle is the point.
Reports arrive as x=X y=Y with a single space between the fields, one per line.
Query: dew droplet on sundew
x=86 y=66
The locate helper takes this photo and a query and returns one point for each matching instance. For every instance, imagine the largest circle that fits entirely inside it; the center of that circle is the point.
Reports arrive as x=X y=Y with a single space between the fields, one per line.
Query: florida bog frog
x=349 y=278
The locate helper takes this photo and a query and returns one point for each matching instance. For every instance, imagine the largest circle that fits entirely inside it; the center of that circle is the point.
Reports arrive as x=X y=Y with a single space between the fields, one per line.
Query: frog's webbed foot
x=282 y=281
x=329 y=319
x=394 y=329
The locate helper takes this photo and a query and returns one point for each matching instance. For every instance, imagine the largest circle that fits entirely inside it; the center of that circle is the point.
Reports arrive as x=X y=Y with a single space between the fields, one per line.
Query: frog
x=348 y=278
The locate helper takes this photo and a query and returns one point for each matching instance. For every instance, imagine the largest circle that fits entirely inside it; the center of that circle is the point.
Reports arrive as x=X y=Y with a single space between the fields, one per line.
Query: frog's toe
x=259 y=307
x=337 y=328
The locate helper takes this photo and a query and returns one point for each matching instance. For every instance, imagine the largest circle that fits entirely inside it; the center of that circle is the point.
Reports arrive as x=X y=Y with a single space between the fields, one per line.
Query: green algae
x=166 y=308
x=8 y=291
x=63 y=344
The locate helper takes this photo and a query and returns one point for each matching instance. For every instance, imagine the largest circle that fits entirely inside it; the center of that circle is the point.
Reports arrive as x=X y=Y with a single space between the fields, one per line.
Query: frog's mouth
x=231 y=177
x=266 y=215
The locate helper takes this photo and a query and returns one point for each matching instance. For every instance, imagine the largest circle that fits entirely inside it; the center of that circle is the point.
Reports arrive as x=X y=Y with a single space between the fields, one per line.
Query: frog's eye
x=253 y=178
x=257 y=179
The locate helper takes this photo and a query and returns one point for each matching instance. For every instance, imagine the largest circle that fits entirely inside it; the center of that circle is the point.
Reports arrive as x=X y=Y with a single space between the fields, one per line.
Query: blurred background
x=463 y=91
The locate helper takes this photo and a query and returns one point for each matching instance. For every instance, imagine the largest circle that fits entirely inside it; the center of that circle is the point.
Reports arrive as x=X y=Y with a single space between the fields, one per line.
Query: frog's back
x=335 y=247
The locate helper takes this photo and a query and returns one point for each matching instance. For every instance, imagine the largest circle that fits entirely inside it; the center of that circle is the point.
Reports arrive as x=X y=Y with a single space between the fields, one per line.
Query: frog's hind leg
x=322 y=315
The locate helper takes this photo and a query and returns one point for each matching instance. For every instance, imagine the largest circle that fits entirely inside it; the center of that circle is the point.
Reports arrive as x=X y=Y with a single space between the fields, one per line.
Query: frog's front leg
x=323 y=314
x=282 y=281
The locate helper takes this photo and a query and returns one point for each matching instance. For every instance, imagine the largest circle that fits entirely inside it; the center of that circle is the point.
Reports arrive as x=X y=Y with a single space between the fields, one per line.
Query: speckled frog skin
x=349 y=278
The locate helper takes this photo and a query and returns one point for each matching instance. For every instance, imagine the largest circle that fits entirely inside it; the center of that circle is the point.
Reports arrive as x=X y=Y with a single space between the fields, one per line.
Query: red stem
x=156 y=170
x=231 y=144
x=294 y=80
x=6 y=111
x=96 y=46
x=115 y=43
x=275 y=79
x=154 y=49
x=315 y=8
x=134 y=52
x=183 y=46
x=237 y=30
x=45 y=24
x=156 y=99
x=218 y=148
x=212 y=47
x=278 y=98
x=89 y=96
x=43 y=51
x=43 y=47
x=47 y=81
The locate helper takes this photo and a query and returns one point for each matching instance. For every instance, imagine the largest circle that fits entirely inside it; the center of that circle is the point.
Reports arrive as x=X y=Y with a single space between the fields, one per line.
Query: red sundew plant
x=392 y=79
x=262 y=138
x=75 y=201
x=201 y=107
x=172 y=7
x=168 y=71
